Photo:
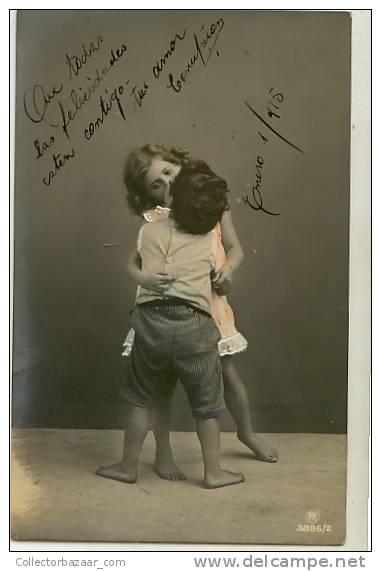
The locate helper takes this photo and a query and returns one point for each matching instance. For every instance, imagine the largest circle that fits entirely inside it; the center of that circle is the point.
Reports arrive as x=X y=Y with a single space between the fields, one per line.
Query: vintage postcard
x=202 y=156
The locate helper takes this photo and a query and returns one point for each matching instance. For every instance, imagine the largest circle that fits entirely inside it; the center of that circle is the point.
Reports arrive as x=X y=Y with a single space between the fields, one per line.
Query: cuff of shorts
x=205 y=414
x=133 y=401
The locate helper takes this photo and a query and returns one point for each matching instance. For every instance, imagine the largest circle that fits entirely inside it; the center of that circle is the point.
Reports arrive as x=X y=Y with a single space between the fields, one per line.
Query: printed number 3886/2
x=313 y=528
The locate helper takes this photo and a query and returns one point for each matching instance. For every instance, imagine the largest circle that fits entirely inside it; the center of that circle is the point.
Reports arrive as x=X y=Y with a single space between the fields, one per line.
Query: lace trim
x=147 y=214
x=233 y=344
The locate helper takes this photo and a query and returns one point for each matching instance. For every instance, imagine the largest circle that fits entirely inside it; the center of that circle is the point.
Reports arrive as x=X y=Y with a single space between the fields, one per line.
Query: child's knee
x=211 y=413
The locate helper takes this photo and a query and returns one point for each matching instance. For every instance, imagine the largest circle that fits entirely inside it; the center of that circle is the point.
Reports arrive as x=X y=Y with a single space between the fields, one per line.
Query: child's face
x=158 y=179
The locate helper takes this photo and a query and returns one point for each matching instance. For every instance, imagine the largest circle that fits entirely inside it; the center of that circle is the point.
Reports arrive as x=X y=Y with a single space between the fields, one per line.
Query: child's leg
x=237 y=403
x=134 y=436
x=164 y=464
x=208 y=432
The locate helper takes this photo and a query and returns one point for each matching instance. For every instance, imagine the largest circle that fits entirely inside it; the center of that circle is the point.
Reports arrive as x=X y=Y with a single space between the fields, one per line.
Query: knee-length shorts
x=174 y=342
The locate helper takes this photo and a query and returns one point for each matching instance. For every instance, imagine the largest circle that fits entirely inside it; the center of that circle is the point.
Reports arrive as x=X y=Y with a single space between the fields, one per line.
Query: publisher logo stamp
x=312 y=516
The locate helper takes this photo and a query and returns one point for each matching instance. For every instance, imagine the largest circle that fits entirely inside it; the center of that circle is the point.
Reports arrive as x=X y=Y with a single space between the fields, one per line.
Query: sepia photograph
x=182 y=191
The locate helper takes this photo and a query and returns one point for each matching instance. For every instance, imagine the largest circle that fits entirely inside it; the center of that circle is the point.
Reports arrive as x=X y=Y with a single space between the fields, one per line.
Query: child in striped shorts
x=175 y=334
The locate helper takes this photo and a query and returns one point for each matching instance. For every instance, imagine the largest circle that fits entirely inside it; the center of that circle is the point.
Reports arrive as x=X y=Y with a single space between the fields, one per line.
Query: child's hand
x=222 y=279
x=158 y=282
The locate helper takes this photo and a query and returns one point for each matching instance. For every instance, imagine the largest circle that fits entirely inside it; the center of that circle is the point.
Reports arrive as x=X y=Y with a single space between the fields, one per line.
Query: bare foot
x=223 y=478
x=261 y=456
x=167 y=469
x=272 y=457
x=118 y=472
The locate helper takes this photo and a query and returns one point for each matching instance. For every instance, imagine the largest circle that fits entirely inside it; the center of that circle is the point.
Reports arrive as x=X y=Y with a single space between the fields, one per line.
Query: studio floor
x=56 y=495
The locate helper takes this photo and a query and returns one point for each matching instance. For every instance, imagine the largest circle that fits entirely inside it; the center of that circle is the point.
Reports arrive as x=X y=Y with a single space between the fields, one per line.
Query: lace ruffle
x=157 y=213
x=233 y=344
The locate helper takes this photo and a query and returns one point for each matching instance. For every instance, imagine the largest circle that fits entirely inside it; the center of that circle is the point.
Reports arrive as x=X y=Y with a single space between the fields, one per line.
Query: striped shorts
x=174 y=342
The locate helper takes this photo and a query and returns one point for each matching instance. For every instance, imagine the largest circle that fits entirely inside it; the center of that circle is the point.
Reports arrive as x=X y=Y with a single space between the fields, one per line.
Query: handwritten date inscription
x=255 y=201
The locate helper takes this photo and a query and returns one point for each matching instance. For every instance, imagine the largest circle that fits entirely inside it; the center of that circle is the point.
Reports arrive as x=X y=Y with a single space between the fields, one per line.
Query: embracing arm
x=230 y=241
x=150 y=280
x=134 y=267
x=223 y=278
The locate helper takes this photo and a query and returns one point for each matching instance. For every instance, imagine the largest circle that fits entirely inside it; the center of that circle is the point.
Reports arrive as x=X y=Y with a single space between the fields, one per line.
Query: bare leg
x=164 y=464
x=134 y=436
x=208 y=432
x=237 y=403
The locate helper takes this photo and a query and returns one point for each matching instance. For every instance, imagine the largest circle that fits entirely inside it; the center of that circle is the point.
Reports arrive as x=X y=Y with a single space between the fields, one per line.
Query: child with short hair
x=175 y=334
x=150 y=171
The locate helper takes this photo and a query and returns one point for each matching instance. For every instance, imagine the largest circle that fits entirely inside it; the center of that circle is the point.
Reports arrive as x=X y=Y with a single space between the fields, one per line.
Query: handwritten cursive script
x=256 y=192
x=76 y=63
x=37 y=100
x=58 y=162
x=204 y=47
x=84 y=84
x=159 y=65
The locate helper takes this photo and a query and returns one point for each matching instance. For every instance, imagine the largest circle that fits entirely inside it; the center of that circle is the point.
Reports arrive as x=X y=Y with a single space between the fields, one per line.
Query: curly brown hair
x=138 y=163
x=199 y=198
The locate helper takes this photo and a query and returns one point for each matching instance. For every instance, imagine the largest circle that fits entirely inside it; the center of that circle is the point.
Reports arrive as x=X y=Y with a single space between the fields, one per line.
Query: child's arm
x=230 y=241
x=234 y=254
x=157 y=282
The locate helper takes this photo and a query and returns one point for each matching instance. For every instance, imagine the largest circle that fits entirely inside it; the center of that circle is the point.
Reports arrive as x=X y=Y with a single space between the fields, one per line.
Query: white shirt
x=188 y=258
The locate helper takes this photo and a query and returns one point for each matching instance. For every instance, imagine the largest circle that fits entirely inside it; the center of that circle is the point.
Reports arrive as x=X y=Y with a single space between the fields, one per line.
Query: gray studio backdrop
x=231 y=86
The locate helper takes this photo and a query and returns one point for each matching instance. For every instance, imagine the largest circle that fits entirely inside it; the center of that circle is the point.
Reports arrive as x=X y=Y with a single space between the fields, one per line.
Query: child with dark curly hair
x=176 y=336
x=150 y=170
